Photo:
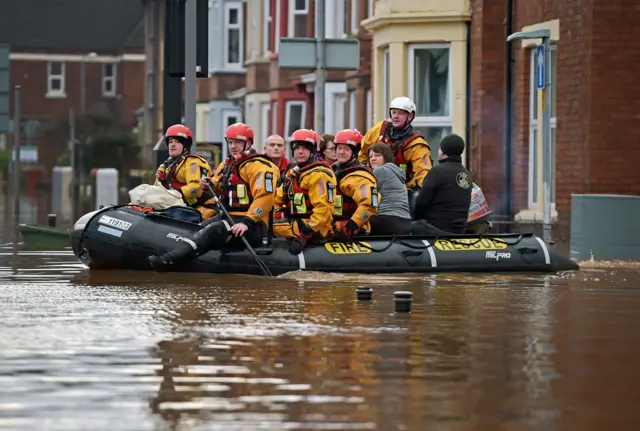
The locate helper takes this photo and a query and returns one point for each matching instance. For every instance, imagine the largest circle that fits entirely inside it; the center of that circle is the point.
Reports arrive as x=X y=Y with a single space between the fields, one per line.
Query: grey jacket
x=394 y=200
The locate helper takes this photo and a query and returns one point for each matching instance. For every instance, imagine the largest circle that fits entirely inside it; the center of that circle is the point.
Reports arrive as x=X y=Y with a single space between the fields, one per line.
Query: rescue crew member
x=246 y=185
x=182 y=170
x=274 y=149
x=443 y=203
x=411 y=151
x=357 y=197
x=307 y=196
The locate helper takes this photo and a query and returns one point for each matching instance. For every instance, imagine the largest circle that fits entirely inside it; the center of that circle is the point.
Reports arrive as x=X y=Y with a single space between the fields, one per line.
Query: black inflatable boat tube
x=123 y=238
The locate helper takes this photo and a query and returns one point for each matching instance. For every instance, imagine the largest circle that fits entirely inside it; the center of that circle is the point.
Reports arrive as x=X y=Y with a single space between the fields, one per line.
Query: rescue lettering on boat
x=348 y=248
x=469 y=244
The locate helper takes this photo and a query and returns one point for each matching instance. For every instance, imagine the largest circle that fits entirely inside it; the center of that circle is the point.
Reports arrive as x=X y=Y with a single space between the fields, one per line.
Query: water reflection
x=132 y=351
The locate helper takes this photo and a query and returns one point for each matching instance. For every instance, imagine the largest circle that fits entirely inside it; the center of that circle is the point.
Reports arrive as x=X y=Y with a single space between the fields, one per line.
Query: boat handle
x=411 y=253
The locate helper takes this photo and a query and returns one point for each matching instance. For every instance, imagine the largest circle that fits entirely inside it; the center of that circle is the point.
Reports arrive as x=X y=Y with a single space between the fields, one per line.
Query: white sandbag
x=155 y=196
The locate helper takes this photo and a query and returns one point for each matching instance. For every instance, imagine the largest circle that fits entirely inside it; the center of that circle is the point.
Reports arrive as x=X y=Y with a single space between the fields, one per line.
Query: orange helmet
x=350 y=137
x=180 y=132
x=306 y=136
x=241 y=132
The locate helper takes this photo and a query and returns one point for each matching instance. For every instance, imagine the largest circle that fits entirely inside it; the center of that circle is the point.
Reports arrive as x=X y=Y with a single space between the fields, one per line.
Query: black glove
x=301 y=240
x=347 y=231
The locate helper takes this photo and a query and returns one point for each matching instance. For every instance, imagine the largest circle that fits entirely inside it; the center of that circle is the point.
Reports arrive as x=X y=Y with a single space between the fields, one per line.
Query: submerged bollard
x=403 y=301
x=51 y=220
x=364 y=293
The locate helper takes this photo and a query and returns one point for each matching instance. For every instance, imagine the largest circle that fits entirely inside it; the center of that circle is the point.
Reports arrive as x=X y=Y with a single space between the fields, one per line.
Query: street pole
x=83 y=83
x=546 y=143
x=16 y=168
x=545 y=89
x=73 y=150
x=190 y=66
x=80 y=148
x=320 y=66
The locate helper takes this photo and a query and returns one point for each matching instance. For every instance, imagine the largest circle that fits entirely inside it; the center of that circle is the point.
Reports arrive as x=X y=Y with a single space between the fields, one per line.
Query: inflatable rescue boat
x=122 y=238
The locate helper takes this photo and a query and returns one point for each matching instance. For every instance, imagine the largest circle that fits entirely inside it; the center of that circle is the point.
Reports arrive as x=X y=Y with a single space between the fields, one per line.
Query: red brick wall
x=598 y=98
x=53 y=112
x=487 y=122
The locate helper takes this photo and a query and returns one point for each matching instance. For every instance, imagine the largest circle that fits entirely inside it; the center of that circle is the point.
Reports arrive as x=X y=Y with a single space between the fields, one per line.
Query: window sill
x=262 y=59
x=109 y=95
x=52 y=95
x=228 y=69
x=532 y=216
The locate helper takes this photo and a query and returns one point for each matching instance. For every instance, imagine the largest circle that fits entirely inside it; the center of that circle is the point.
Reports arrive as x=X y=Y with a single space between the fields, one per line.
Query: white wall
x=254 y=114
x=332 y=92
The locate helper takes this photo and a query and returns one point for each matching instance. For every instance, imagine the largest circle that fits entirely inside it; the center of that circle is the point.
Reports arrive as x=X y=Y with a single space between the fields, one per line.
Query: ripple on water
x=132 y=351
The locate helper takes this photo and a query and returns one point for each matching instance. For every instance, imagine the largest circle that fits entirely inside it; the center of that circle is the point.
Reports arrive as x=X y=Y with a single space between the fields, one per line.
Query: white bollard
x=61 y=192
x=106 y=187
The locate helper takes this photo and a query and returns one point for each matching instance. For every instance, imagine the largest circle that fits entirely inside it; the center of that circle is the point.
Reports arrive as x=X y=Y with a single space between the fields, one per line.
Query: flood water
x=83 y=350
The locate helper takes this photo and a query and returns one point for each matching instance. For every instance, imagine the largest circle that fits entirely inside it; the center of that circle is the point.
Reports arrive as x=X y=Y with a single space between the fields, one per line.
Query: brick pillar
x=488 y=100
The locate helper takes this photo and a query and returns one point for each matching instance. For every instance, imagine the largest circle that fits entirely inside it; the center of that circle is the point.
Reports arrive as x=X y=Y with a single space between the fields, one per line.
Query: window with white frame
x=298 y=18
x=276 y=27
x=355 y=21
x=266 y=30
x=264 y=121
x=369 y=109
x=109 y=79
x=230 y=117
x=339 y=111
x=385 y=80
x=55 y=77
x=345 y=18
x=430 y=89
x=534 y=160
x=295 y=114
x=352 y=109
x=233 y=45
x=252 y=33
x=274 y=117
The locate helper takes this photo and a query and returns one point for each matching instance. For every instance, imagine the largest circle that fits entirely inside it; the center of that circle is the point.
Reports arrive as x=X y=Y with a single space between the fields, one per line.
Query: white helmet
x=403 y=103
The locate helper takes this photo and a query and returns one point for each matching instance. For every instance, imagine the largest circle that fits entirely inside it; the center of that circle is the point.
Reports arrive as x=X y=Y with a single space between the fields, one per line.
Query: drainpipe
x=509 y=113
x=467 y=137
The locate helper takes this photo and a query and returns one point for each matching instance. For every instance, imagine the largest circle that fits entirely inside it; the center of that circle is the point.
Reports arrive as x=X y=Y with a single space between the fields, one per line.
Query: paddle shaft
x=253 y=253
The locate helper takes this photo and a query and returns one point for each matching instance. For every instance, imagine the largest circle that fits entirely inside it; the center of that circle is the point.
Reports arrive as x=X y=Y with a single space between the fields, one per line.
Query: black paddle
x=253 y=253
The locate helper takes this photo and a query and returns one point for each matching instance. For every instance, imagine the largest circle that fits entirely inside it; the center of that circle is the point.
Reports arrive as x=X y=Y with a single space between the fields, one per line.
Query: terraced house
x=219 y=96
x=282 y=100
x=453 y=59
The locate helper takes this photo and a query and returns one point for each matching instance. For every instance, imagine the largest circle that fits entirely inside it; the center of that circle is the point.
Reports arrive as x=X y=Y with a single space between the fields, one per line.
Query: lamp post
x=83 y=106
x=543 y=83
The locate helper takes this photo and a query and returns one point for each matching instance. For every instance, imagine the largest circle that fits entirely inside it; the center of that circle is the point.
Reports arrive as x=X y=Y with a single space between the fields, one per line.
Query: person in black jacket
x=442 y=206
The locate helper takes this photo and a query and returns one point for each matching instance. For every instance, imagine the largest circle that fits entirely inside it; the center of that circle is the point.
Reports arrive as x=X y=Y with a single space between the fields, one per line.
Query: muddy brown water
x=83 y=350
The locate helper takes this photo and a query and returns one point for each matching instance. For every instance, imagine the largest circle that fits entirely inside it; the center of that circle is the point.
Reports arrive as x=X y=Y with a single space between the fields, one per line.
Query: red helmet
x=241 y=132
x=306 y=136
x=182 y=133
x=350 y=137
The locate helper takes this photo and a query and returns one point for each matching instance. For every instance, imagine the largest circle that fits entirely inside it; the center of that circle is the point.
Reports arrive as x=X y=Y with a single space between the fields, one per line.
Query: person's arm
x=262 y=181
x=363 y=190
x=418 y=156
x=321 y=198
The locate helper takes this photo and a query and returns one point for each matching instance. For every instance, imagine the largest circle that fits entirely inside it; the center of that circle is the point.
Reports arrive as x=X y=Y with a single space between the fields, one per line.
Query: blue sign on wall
x=540 y=67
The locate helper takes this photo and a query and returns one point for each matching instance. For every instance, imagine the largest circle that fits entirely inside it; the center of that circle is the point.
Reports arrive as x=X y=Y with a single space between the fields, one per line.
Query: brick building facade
x=48 y=67
x=595 y=101
x=282 y=100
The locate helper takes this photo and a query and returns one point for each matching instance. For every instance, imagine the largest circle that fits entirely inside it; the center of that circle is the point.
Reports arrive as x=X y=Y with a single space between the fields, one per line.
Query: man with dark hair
x=442 y=207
